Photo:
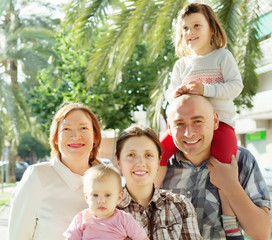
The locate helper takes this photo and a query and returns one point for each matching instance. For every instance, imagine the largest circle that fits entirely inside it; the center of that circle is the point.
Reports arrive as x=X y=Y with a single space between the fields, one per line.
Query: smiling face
x=103 y=196
x=197 y=34
x=191 y=121
x=75 y=137
x=139 y=161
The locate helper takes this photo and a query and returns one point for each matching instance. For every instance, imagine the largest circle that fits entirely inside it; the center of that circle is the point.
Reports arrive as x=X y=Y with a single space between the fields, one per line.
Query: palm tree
x=25 y=45
x=153 y=21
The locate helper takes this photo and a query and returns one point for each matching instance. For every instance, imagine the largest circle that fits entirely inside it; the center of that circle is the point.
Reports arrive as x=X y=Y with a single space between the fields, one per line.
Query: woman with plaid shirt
x=163 y=215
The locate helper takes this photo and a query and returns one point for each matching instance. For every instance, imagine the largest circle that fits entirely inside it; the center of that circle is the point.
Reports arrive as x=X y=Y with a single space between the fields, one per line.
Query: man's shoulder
x=244 y=158
x=247 y=163
x=243 y=149
x=244 y=155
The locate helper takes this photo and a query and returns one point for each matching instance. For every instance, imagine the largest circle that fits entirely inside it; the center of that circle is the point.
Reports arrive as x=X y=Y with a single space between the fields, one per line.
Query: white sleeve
x=176 y=80
x=24 y=202
x=232 y=86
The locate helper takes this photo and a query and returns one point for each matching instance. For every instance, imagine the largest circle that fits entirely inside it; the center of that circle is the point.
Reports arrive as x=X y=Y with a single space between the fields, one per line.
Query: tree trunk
x=11 y=178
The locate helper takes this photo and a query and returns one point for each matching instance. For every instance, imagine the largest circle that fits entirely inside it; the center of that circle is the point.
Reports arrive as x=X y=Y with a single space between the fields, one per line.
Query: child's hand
x=195 y=88
x=181 y=90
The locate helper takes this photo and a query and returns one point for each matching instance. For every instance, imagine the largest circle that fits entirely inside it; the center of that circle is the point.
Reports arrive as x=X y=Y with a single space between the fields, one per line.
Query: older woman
x=163 y=215
x=50 y=194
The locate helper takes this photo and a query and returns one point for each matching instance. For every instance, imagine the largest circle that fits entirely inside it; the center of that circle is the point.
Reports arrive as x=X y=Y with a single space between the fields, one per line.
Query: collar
x=181 y=160
x=156 y=199
x=73 y=180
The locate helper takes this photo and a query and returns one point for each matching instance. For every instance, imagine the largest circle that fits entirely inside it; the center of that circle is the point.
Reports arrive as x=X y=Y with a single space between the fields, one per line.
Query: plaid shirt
x=174 y=216
x=194 y=182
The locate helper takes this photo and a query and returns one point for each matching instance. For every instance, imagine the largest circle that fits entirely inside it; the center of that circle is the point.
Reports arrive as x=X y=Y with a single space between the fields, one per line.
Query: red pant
x=224 y=144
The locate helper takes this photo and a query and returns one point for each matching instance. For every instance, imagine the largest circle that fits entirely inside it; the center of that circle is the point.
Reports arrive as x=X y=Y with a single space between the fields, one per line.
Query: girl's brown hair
x=61 y=115
x=219 y=37
x=137 y=131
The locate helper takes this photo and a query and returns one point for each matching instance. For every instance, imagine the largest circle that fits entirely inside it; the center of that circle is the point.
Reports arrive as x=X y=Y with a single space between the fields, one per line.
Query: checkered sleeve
x=251 y=179
x=189 y=220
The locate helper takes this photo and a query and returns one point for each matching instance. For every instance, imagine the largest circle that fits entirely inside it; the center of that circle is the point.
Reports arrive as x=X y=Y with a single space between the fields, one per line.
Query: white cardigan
x=45 y=202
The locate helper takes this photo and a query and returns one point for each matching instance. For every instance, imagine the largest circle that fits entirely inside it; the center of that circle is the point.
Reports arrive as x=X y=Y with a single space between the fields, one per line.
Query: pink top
x=120 y=225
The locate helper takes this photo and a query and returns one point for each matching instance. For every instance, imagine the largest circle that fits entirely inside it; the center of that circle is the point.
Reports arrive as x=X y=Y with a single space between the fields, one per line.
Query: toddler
x=103 y=192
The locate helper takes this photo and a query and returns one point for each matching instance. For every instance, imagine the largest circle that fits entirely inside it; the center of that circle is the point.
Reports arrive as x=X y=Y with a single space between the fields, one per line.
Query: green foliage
x=66 y=81
x=137 y=20
x=26 y=41
x=248 y=52
x=63 y=81
x=150 y=22
x=30 y=146
x=157 y=108
x=239 y=19
x=117 y=59
x=86 y=17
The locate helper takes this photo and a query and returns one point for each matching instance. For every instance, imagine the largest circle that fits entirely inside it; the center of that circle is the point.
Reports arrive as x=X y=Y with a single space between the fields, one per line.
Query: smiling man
x=193 y=172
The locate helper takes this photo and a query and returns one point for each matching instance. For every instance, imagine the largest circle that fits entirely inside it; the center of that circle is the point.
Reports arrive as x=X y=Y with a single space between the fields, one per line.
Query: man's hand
x=253 y=219
x=223 y=175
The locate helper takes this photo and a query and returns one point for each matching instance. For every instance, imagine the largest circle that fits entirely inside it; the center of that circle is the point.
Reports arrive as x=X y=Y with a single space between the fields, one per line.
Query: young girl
x=205 y=68
x=103 y=191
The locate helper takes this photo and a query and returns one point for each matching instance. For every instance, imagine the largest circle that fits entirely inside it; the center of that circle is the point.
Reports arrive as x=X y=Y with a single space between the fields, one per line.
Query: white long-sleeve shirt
x=219 y=73
x=45 y=202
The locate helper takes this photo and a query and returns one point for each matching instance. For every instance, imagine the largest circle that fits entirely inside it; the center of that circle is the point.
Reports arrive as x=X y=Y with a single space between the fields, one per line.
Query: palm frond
x=248 y=51
x=84 y=17
x=228 y=13
x=90 y=17
x=18 y=105
x=72 y=11
x=3 y=6
x=103 y=51
x=32 y=60
x=107 y=45
x=163 y=25
x=116 y=47
x=12 y=111
x=32 y=34
x=158 y=103
x=42 y=22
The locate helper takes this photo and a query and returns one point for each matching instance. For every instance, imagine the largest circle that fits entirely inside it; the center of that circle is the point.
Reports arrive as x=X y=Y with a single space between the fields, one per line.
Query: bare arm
x=254 y=220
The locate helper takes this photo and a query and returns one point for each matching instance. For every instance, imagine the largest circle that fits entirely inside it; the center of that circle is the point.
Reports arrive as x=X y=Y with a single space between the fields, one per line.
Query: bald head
x=191 y=100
